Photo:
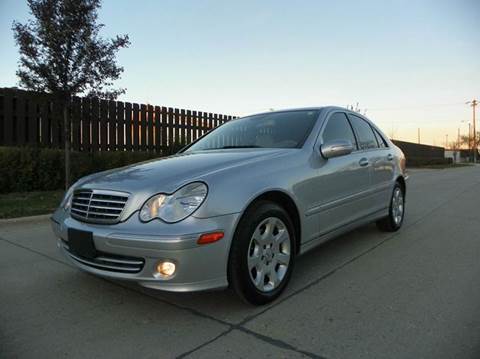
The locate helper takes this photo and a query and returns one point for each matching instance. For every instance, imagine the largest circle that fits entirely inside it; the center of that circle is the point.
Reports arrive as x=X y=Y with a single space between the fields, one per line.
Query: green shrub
x=24 y=169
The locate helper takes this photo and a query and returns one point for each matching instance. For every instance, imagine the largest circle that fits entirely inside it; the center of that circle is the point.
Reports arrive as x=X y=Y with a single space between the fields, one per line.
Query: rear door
x=342 y=181
x=380 y=163
x=383 y=169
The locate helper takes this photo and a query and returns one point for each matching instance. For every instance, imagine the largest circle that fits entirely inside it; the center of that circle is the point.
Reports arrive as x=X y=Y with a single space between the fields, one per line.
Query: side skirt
x=305 y=247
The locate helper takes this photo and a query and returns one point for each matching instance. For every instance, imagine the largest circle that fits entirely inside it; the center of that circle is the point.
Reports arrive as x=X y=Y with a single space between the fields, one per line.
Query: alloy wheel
x=397 y=206
x=269 y=254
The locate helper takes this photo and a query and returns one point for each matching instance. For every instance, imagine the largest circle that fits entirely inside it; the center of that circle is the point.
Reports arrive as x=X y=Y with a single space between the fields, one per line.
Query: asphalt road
x=367 y=294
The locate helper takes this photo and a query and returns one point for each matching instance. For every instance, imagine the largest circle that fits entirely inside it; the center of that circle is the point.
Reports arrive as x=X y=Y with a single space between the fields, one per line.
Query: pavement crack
x=269 y=340
x=272 y=341
x=355 y=258
x=231 y=327
x=278 y=343
x=183 y=355
x=192 y=311
x=36 y=252
x=178 y=306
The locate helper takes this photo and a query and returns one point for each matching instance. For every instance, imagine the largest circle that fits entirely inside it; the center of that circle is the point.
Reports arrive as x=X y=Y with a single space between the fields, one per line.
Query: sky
x=410 y=64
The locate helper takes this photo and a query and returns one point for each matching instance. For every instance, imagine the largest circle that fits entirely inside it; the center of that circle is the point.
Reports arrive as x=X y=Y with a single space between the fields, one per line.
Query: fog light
x=166 y=268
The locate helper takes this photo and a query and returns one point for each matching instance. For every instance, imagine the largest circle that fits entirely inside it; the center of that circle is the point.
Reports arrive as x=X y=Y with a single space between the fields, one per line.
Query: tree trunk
x=66 y=127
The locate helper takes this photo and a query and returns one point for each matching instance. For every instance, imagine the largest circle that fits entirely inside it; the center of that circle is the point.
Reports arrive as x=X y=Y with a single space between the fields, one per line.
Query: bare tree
x=467 y=141
x=454 y=146
x=62 y=53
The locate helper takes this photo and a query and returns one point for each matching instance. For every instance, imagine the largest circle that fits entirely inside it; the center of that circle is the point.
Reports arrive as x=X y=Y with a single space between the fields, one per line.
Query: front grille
x=108 y=262
x=98 y=206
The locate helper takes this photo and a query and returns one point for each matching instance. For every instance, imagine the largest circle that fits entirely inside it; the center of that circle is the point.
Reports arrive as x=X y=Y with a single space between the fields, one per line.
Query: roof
x=317 y=108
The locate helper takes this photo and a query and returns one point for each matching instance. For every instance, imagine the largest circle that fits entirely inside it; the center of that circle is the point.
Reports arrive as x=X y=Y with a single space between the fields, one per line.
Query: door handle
x=363 y=162
x=390 y=157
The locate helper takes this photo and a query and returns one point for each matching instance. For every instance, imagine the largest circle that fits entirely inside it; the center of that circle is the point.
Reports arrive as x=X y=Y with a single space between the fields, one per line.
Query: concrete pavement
x=367 y=294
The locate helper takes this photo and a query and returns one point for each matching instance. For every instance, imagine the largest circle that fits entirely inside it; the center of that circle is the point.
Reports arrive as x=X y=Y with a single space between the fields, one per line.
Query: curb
x=41 y=217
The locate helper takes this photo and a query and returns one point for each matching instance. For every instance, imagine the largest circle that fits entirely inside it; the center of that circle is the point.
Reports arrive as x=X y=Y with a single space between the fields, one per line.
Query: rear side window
x=338 y=128
x=381 y=141
x=366 y=137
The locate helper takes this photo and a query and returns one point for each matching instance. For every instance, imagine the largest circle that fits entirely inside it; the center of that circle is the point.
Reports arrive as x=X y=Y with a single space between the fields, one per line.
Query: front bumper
x=198 y=267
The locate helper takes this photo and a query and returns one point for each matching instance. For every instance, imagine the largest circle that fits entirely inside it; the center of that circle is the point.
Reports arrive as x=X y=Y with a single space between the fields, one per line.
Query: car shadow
x=310 y=268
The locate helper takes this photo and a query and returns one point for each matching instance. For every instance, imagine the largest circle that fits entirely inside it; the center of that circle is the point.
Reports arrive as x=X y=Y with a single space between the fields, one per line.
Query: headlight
x=177 y=206
x=67 y=199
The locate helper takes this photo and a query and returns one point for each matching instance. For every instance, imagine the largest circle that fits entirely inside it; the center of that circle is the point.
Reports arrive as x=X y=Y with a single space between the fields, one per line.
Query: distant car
x=237 y=206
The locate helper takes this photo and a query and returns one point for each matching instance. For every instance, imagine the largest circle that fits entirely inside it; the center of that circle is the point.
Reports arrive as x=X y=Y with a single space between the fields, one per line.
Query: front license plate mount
x=81 y=243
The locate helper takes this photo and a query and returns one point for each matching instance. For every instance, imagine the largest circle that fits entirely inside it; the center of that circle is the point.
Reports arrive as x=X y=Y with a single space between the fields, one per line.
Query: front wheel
x=394 y=220
x=262 y=253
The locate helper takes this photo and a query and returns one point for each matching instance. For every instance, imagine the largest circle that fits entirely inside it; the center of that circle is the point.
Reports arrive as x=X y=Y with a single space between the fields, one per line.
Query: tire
x=396 y=212
x=262 y=255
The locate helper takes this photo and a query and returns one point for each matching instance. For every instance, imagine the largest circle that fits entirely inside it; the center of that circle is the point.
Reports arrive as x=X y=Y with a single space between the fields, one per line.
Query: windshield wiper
x=245 y=146
x=228 y=147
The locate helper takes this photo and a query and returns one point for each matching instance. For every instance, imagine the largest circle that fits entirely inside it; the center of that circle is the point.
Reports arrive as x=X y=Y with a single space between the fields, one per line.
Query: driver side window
x=338 y=128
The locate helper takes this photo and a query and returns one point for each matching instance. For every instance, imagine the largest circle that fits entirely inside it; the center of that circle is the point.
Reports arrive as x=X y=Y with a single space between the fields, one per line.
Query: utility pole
x=446 y=141
x=457 y=152
x=474 y=104
x=469 y=139
x=419 y=135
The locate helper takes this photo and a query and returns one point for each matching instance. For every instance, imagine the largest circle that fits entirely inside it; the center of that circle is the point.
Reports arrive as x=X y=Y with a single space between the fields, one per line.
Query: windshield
x=272 y=130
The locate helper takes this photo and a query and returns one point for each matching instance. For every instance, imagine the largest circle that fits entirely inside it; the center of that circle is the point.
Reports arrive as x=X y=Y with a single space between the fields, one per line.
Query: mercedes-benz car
x=238 y=206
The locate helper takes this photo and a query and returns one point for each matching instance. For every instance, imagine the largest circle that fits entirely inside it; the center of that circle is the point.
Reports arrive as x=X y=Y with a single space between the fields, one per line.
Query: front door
x=380 y=158
x=343 y=182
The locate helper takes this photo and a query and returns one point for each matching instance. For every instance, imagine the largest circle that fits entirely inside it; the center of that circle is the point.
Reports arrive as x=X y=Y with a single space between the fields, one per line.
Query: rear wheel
x=262 y=254
x=396 y=213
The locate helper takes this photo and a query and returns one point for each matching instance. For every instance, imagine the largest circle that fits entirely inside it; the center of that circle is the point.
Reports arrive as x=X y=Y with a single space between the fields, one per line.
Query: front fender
x=231 y=191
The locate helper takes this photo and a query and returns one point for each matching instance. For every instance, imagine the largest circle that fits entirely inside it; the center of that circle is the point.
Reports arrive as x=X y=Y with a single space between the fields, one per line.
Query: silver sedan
x=238 y=206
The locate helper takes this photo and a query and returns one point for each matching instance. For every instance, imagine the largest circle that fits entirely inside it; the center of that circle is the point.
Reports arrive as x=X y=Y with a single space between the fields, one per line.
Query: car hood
x=167 y=174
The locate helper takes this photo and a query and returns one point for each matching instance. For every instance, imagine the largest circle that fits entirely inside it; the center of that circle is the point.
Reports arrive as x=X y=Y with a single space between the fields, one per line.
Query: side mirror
x=336 y=148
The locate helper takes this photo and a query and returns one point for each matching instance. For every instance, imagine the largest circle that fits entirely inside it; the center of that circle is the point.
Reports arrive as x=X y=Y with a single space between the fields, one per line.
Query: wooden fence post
x=128 y=126
x=75 y=120
x=32 y=121
x=164 y=130
x=112 y=125
x=158 y=141
x=103 y=125
x=143 y=127
x=8 y=121
x=135 y=123
x=85 y=125
x=150 y=128
x=120 y=126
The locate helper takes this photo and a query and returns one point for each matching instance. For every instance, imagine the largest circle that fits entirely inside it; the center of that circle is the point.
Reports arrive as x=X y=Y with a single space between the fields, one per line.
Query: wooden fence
x=33 y=119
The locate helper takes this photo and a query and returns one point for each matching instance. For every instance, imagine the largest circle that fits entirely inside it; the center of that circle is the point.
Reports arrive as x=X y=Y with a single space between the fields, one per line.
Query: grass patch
x=22 y=204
